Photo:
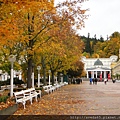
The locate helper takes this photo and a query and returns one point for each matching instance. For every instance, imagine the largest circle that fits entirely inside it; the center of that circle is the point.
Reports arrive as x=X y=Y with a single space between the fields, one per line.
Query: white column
x=38 y=79
x=11 y=82
x=62 y=79
x=32 y=79
x=38 y=68
x=91 y=74
x=2 y=77
x=104 y=74
x=12 y=59
x=5 y=76
x=49 y=79
x=20 y=76
x=49 y=76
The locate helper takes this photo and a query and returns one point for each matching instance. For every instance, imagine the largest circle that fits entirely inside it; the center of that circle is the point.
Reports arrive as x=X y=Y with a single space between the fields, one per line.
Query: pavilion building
x=98 y=67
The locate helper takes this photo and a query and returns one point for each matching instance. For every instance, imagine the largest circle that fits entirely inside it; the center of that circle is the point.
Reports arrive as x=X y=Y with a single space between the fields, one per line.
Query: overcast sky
x=104 y=18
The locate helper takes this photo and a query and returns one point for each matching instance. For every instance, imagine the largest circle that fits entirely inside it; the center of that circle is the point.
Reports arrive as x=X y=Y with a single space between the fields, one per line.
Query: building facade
x=98 y=67
x=5 y=76
x=116 y=67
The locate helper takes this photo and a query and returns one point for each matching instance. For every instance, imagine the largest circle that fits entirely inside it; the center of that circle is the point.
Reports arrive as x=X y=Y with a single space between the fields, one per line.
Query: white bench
x=57 y=85
x=52 y=88
x=3 y=87
x=24 y=85
x=46 y=89
x=25 y=95
x=62 y=84
x=65 y=83
x=35 y=93
x=49 y=88
x=7 y=87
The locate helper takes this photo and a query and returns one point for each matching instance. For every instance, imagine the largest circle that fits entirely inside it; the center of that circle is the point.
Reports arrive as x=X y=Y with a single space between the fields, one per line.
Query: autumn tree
x=77 y=71
x=26 y=25
x=62 y=51
x=63 y=56
x=107 y=48
x=26 y=20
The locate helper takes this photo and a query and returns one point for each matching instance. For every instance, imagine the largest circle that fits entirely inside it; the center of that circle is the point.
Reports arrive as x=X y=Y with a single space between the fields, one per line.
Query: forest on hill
x=96 y=48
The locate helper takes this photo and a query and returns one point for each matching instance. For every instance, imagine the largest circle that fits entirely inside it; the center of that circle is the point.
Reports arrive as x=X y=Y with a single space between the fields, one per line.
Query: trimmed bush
x=3 y=98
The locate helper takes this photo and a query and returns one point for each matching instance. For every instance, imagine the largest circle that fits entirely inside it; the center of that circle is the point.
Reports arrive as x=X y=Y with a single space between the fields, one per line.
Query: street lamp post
x=38 y=68
x=12 y=59
x=49 y=76
x=32 y=75
x=61 y=77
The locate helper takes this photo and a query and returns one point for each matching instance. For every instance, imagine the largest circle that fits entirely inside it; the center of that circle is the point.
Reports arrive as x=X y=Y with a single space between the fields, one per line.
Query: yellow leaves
x=35 y=20
x=8 y=103
x=61 y=102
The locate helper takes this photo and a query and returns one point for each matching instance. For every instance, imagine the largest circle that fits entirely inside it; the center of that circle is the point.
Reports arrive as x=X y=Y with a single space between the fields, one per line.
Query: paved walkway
x=79 y=99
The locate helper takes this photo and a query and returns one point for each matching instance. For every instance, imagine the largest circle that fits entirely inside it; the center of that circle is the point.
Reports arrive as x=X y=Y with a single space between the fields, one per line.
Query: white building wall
x=89 y=65
x=89 y=62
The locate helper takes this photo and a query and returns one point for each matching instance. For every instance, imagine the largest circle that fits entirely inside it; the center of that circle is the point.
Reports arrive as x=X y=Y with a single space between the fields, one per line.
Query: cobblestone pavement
x=79 y=99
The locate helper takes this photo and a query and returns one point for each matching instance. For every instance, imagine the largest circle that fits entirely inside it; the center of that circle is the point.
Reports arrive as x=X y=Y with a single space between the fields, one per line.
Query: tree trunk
x=29 y=73
x=30 y=56
x=58 y=77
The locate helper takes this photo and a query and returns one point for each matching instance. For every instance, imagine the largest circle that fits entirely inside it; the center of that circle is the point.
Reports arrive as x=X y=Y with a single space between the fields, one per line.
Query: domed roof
x=98 y=62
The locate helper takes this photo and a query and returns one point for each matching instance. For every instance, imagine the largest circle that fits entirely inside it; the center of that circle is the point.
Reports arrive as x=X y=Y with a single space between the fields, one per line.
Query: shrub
x=39 y=88
x=3 y=98
x=17 y=81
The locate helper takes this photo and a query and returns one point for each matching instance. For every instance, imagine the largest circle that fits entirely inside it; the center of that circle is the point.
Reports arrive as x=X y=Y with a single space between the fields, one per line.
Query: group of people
x=76 y=81
x=93 y=80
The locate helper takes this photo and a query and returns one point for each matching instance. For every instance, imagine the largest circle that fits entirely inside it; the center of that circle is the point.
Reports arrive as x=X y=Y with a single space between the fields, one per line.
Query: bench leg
x=36 y=98
x=31 y=100
x=24 y=104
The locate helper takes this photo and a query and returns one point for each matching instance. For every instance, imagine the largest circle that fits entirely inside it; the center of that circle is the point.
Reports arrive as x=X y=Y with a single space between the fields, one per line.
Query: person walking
x=90 y=81
x=96 y=81
x=105 y=81
x=113 y=80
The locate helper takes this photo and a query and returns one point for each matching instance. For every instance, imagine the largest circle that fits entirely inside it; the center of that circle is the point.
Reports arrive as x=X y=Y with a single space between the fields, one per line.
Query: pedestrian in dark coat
x=96 y=81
